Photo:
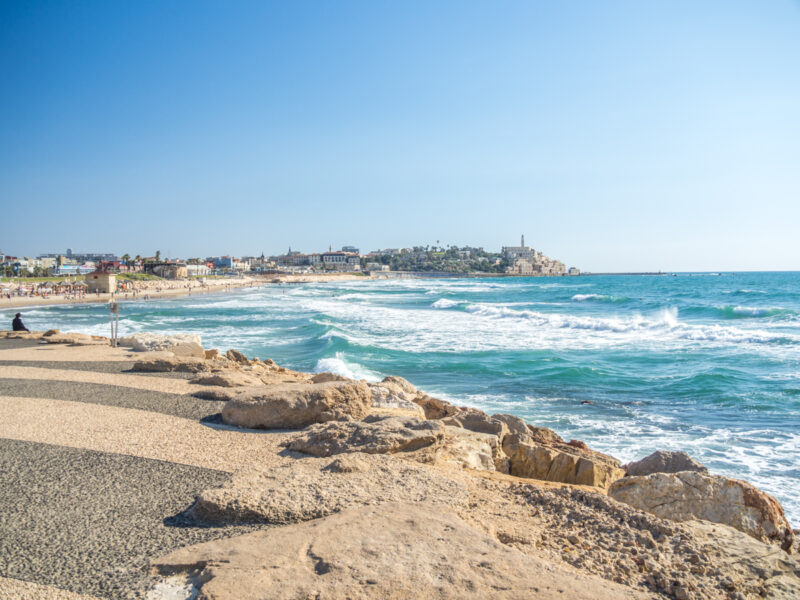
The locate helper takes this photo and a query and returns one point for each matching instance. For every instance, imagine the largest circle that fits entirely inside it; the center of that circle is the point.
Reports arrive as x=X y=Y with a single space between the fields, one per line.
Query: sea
x=707 y=363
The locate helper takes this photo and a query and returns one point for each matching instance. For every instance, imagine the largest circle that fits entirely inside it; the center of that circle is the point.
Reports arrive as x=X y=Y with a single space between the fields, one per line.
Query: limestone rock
x=383 y=397
x=399 y=385
x=22 y=335
x=390 y=551
x=75 y=339
x=50 y=332
x=211 y=354
x=514 y=424
x=297 y=405
x=184 y=345
x=692 y=495
x=310 y=488
x=472 y=449
x=172 y=364
x=326 y=376
x=237 y=357
x=663 y=461
x=559 y=462
x=544 y=435
x=228 y=379
x=477 y=420
x=776 y=574
x=435 y=408
x=373 y=436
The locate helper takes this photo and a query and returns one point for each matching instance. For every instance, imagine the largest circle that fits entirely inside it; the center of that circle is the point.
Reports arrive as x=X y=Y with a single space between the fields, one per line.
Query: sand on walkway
x=14 y=589
x=137 y=433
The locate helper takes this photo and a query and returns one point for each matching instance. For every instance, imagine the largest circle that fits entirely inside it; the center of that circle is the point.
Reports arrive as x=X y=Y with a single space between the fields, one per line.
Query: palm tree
x=126 y=257
x=158 y=254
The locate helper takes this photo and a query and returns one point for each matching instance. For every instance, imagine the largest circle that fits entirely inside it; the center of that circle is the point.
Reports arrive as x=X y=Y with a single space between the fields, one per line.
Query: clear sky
x=615 y=135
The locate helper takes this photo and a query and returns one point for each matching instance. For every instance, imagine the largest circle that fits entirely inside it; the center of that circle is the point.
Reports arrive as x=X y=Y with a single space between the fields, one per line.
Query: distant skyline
x=617 y=136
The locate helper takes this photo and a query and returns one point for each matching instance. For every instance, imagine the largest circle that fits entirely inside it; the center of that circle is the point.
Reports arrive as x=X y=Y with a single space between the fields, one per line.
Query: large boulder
x=392 y=551
x=184 y=345
x=385 y=398
x=373 y=436
x=559 y=462
x=472 y=449
x=310 y=488
x=435 y=408
x=692 y=495
x=326 y=376
x=297 y=405
x=513 y=424
x=477 y=420
x=399 y=385
x=663 y=461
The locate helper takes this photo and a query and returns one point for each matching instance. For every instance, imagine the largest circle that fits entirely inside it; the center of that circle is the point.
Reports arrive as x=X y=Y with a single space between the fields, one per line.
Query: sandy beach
x=153 y=289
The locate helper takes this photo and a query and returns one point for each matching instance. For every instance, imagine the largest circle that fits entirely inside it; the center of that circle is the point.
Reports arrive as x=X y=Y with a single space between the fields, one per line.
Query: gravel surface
x=158 y=384
x=177 y=405
x=137 y=433
x=100 y=366
x=89 y=521
x=6 y=344
x=14 y=589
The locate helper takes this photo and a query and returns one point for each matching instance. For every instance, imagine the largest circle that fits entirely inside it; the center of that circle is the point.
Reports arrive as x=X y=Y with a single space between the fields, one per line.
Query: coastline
x=85 y=411
x=172 y=289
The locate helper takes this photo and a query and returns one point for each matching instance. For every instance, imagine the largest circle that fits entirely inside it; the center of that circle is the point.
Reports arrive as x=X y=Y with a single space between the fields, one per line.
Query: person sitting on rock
x=17 y=324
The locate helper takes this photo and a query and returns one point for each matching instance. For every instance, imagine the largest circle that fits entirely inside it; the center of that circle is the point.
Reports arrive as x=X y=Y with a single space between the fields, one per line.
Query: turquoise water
x=705 y=363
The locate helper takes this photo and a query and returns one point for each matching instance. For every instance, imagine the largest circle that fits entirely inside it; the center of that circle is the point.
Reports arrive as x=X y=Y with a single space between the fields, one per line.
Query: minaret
x=522 y=241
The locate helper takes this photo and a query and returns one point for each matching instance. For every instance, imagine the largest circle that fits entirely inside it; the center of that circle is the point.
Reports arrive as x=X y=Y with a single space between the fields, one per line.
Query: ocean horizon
x=707 y=363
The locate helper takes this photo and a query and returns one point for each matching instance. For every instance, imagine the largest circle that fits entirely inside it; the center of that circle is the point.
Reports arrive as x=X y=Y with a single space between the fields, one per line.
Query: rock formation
x=310 y=488
x=692 y=495
x=297 y=405
x=396 y=550
x=662 y=461
x=373 y=436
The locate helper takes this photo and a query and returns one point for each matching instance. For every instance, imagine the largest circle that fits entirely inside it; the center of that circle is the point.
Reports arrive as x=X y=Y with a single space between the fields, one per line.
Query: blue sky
x=618 y=136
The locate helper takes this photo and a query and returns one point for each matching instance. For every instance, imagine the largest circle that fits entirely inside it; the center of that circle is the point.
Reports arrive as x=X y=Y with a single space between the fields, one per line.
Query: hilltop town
x=519 y=260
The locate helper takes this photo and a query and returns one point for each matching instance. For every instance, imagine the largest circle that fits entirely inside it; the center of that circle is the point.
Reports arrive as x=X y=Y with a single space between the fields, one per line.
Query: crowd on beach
x=19 y=292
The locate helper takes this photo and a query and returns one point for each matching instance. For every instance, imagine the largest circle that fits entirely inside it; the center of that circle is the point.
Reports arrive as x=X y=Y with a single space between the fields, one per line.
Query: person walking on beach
x=17 y=324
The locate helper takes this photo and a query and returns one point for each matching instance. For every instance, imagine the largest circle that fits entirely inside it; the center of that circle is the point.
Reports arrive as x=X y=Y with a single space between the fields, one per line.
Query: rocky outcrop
x=297 y=405
x=172 y=364
x=373 y=435
x=435 y=408
x=384 y=397
x=326 y=376
x=663 y=461
x=550 y=460
x=393 y=550
x=749 y=567
x=691 y=495
x=237 y=357
x=300 y=490
x=472 y=450
x=75 y=339
x=180 y=345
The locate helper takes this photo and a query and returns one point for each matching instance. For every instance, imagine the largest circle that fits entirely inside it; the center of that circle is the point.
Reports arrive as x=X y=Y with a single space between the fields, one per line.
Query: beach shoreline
x=154 y=290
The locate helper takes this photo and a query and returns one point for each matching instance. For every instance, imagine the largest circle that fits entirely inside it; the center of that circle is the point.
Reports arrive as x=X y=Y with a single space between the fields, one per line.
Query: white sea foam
x=338 y=365
x=444 y=303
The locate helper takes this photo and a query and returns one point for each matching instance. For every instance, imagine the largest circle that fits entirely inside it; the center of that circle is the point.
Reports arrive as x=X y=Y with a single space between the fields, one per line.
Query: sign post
x=114 y=314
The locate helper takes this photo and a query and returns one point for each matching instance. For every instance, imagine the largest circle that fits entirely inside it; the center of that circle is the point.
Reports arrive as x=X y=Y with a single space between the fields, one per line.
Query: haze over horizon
x=622 y=136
